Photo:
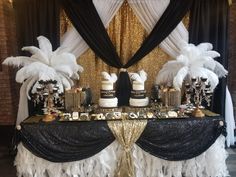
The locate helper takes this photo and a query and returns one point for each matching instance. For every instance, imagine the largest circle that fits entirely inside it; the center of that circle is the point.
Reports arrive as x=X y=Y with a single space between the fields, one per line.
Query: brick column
x=8 y=88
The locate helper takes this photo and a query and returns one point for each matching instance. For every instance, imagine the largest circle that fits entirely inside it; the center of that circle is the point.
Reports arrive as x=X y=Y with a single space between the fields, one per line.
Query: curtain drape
x=86 y=20
x=208 y=23
x=34 y=18
x=127 y=33
x=149 y=12
x=73 y=42
x=95 y=35
x=229 y=119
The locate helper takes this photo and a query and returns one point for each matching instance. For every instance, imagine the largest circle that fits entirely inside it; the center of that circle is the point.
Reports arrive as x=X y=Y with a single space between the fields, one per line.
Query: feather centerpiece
x=141 y=76
x=44 y=64
x=193 y=61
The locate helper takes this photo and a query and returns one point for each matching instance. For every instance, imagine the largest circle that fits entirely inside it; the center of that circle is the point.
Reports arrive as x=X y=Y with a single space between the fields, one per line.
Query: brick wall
x=232 y=53
x=8 y=88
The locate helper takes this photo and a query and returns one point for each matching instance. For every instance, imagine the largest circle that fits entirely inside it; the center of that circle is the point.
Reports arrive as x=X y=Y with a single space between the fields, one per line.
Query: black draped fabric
x=86 y=20
x=123 y=88
x=66 y=141
x=171 y=139
x=179 y=139
x=35 y=18
x=209 y=23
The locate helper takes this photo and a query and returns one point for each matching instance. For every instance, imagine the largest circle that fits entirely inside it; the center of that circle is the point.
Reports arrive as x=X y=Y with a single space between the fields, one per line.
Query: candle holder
x=48 y=93
x=197 y=91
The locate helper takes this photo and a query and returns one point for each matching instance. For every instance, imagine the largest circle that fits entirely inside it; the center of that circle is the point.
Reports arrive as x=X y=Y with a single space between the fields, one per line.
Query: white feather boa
x=211 y=163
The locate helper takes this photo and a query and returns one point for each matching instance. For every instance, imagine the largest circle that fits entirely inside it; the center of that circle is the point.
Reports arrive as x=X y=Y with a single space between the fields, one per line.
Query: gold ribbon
x=127 y=133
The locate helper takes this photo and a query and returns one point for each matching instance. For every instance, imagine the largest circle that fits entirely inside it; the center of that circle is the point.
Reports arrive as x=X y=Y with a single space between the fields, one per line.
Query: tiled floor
x=231 y=162
x=7 y=169
x=6 y=163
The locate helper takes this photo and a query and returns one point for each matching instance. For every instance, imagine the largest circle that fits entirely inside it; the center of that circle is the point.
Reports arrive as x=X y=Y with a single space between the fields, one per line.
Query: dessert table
x=162 y=147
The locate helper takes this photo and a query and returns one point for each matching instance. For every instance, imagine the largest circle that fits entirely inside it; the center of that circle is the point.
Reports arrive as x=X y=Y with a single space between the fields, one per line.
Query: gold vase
x=48 y=118
x=198 y=113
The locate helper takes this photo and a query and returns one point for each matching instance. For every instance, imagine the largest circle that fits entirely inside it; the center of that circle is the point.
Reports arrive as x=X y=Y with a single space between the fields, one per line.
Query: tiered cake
x=138 y=94
x=107 y=93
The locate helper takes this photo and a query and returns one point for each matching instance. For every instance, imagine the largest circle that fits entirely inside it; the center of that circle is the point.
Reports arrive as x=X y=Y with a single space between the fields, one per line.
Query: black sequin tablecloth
x=169 y=139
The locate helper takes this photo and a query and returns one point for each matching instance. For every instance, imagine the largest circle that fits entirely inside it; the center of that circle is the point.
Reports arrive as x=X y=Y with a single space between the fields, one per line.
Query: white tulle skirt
x=209 y=164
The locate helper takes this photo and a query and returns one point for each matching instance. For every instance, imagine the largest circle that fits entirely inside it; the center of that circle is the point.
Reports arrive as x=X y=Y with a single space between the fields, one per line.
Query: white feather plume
x=193 y=61
x=143 y=75
x=32 y=81
x=205 y=46
x=64 y=69
x=18 y=61
x=168 y=72
x=210 y=64
x=65 y=82
x=220 y=70
x=106 y=76
x=37 y=54
x=113 y=77
x=135 y=77
x=212 y=78
x=44 y=64
x=212 y=54
x=179 y=78
x=45 y=45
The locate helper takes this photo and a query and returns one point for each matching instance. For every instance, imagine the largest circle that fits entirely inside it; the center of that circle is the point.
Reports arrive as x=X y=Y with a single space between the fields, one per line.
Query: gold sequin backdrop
x=127 y=35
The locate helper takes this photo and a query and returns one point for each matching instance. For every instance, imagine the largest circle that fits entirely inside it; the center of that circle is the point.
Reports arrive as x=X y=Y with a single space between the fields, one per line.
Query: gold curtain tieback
x=127 y=148
x=123 y=70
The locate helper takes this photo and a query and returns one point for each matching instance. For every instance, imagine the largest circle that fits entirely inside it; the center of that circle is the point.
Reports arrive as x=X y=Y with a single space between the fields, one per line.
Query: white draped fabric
x=211 y=163
x=149 y=12
x=229 y=118
x=23 y=110
x=73 y=42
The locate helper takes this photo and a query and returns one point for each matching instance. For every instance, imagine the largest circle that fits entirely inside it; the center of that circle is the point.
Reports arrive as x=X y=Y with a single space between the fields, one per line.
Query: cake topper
x=109 y=77
x=141 y=76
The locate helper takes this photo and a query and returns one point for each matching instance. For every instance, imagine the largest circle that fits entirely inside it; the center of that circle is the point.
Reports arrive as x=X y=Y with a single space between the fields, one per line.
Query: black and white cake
x=107 y=93
x=138 y=93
